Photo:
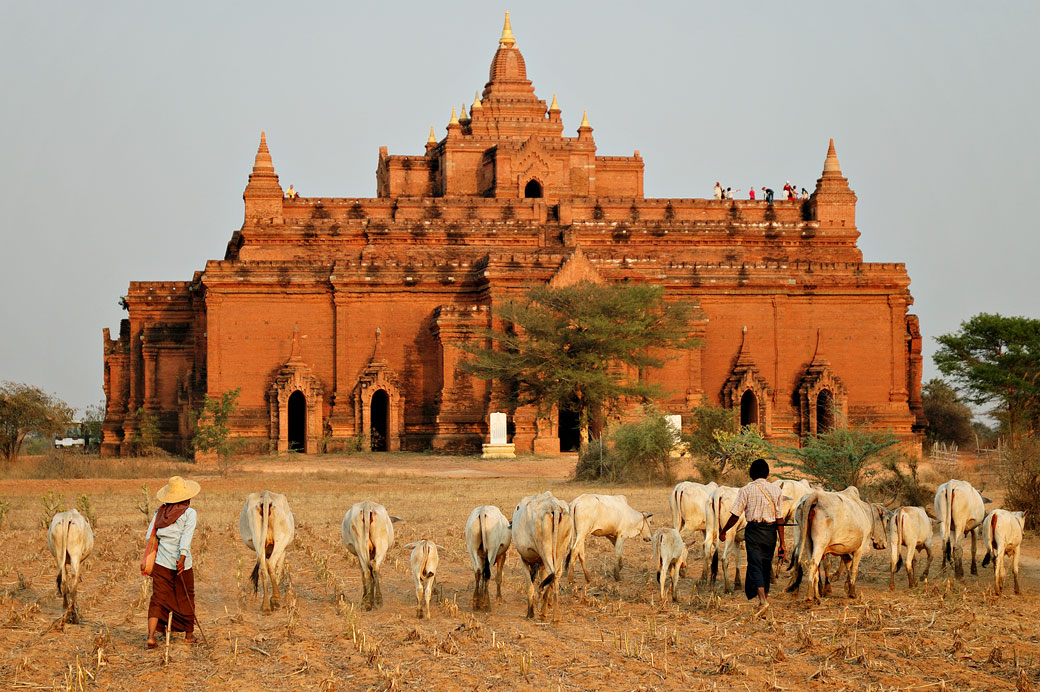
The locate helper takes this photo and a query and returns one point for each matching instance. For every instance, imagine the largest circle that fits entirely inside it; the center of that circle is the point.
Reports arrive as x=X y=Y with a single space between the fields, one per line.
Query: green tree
x=638 y=451
x=736 y=450
x=995 y=360
x=582 y=348
x=706 y=420
x=949 y=418
x=841 y=457
x=24 y=410
x=93 y=418
x=212 y=429
x=146 y=434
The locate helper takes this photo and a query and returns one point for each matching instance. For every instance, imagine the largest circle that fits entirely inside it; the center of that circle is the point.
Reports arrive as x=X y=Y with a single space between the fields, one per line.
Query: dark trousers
x=172 y=592
x=759 y=543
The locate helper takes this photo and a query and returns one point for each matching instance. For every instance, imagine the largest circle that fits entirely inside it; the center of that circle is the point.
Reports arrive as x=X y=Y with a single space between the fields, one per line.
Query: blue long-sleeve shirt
x=175 y=540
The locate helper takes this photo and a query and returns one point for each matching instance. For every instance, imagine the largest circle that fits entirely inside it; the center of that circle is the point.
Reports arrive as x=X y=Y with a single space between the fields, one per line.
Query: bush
x=1020 y=476
x=902 y=487
x=705 y=422
x=842 y=457
x=637 y=451
x=737 y=450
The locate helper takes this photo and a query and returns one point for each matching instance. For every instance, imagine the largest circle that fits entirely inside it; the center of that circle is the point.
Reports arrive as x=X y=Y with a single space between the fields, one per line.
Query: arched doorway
x=748 y=408
x=569 y=428
x=380 y=420
x=824 y=411
x=297 y=432
x=533 y=190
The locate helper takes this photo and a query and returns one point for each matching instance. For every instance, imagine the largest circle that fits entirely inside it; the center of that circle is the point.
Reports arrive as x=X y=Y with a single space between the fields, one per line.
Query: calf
x=836 y=524
x=604 y=515
x=909 y=531
x=669 y=558
x=543 y=535
x=716 y=512
x=487 y=538
x=1003 y=534
x=424 y=560
x=687 y=503
x=368 y=533
x=267 y=527
x=70 y=541
x=960 y=510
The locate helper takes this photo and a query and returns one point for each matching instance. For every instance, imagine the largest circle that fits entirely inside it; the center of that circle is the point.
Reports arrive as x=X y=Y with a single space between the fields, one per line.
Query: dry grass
x=612 y=635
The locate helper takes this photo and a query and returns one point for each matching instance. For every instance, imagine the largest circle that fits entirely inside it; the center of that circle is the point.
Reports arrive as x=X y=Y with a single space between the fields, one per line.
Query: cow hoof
x=974 y=570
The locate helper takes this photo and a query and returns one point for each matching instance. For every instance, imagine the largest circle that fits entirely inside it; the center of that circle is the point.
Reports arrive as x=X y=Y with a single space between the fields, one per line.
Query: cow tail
x=574 y=542
x=62 y=550
x=482 y=527
x=557 y=518
x=805 y=531
x=425 y=560
x=947 y=546
x=991 y=544
x=898 y=540
x=716 y=506
x=677 y=513
x=265 y=506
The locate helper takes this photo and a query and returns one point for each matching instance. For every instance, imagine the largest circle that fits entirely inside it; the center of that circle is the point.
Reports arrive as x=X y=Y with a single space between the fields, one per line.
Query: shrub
x=638 y=451
x=841 y=457
x=212 y=432
x=737 y=450
x=902 y=487
x=1020 y=476
x=705 y=421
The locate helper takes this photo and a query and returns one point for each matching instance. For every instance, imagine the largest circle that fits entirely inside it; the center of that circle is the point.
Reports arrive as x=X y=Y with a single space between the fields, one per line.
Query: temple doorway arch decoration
x=533 y=189
x=823 y=401
x=294 y=402
x=378 y=390
x=747 y=392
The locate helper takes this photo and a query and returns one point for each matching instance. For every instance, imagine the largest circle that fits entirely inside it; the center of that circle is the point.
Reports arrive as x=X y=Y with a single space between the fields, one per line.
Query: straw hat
x=178 y=490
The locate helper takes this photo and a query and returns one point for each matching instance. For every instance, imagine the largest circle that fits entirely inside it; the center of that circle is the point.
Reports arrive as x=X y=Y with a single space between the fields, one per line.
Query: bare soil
x=945 y=634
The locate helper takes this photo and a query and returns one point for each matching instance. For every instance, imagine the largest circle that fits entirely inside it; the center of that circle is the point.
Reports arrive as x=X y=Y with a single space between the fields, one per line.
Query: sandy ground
x=944 y=634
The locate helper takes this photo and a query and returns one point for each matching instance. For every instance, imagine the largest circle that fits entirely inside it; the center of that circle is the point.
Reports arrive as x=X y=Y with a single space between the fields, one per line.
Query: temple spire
x=263 y=195
x=507 y=34
x=830 y=165
x=585 y=119
x=263 y=162
x=432 y=138
x=476 y=103
x=454 y=118
x=554 y=106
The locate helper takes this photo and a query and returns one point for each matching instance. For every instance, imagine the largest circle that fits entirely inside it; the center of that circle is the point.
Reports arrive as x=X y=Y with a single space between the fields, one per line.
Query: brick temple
x=341 y=320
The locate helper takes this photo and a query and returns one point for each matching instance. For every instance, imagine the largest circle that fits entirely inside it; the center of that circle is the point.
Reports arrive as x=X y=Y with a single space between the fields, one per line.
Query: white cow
x=542 y=535
x=839 y=524
x=488 y=538
x=424 y=561
x=1003 y=534
x=909 y=531
x=267 y=527
x=669 y=558
x=368 y=533
x=604 y=515
x=716 y=512
x=960 y=510
x=687 y=504
x=71 y=541
x=791 y=491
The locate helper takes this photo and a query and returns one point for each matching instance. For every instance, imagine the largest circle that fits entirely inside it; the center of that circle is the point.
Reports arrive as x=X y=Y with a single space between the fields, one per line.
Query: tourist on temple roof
x=718 y=190
x=769 y=194
x=751 y=192
x=291 y=193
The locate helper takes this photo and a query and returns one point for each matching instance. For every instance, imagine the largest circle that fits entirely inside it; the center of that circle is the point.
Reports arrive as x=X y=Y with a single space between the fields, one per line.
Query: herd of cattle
x=549 y=535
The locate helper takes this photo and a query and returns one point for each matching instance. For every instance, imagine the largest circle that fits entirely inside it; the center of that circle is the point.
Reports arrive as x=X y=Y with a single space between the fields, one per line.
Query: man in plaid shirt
x=761 y=504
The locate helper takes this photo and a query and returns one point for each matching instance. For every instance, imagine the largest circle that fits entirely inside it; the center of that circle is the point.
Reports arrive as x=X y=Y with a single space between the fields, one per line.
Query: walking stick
x=195 y=619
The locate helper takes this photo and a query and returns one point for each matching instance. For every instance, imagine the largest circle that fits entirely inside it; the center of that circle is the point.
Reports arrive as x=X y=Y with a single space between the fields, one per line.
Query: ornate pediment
x=576 y=269
x=745 y=377
x=823 y=401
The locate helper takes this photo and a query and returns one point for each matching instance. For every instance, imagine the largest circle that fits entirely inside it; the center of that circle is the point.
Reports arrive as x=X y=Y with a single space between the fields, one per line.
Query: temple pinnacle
x=585 y=119
x=476 y=103
x=463 y=116
x=555 y=106
x=831 y=165
x=507 y=34
x=263 y=160
x=433 y=137
x=454 y=118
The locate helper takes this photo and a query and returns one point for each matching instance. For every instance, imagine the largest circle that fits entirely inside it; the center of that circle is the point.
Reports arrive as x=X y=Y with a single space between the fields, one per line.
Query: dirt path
x=611 y=635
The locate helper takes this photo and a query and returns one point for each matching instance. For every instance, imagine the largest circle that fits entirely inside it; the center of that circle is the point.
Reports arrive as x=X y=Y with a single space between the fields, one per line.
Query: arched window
x=824 y=411
x=533 y=190
x=380 y=421
x=297 y=422
x=748 y=408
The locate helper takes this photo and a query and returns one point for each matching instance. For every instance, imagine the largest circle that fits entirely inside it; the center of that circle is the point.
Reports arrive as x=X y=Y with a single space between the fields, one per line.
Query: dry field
x=943 y=635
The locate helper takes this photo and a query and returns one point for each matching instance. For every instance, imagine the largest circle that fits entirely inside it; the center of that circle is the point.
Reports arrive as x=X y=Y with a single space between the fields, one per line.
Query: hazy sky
x=128 y=130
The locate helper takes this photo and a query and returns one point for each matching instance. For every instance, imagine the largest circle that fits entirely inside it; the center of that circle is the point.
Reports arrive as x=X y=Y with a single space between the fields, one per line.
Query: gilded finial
x=831 y=165
x=464 y=116
x=454 y=118
x=476 y=102
x=585 y=119
x=433 y=137
x=555 y=106
x=507 y=34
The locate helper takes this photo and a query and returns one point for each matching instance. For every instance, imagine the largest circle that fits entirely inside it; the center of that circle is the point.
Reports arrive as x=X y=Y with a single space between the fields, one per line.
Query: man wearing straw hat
x=173 y=583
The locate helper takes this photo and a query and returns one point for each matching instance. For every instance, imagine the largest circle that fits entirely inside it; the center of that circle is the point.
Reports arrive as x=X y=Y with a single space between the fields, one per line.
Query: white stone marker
x=498 y=448
x=675 y=421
